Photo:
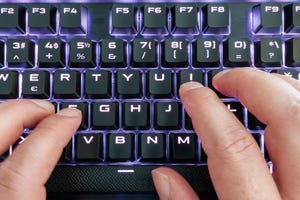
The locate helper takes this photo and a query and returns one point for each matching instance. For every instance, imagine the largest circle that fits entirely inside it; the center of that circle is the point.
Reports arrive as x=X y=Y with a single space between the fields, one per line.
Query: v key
x=89 y=147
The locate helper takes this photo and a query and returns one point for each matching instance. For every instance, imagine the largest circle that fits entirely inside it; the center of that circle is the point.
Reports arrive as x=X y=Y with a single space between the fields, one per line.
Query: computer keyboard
x=122 y=62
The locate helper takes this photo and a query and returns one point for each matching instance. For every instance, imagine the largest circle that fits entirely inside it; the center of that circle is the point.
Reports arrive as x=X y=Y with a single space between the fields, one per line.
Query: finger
x=236 y=166
x=32 y=161
x=15 y=115
x=172 y=186
x=276 y=103
x=292 y=81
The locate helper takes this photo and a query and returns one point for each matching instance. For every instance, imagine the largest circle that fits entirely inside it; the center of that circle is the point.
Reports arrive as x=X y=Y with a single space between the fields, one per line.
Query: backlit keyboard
x=121 y=63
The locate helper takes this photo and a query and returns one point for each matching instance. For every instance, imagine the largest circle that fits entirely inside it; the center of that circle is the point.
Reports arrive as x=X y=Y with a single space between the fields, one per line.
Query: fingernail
x=162 y=184
x=189 y=86
x=221 y=73
x=70 y=112
x=44 y=104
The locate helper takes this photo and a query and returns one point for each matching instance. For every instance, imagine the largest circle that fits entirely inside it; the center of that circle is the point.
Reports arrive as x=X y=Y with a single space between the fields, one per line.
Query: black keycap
x=237 y=109
x=12 y=19
x=210 y=76
x=82 y=53
x=73 y=19
x=144 y=53
x=288 y=72
x=20 y=53
x=292 y=56
x=254 y=123
x=175 y=53
x=113 y=53
x=105 y=115
x=9 y=84
x=41 y=18
x=267 y=18
x=292 y=18
x=89 y=147
x=183 y=147
x=190 y=75
x=155 y=19
x=268 y=52
x=2 y=54
x=66 y=84
x=123 y=19
x=129 y=83
x=188 y=122
x=186 y=19
x=120 y=147
x=4 y=156
x=152 y=147
x=160 y=84
x=216 y=17
x=83 y=107
x=207 y=52
x=97 y=84
x=136 y=115
x=36 y=84
x=237 y=52
x=66 y=155
x=51 y=53
x=167 y=115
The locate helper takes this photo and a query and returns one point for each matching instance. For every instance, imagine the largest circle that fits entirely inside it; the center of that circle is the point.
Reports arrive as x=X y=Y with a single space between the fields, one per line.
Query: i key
x=82 y=53
x=89 y=147
x=175 y=53
x=36 y=84
x=144 y=53
x=12 y=19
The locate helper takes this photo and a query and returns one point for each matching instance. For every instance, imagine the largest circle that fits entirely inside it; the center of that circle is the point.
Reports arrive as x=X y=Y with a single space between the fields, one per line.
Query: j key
x=155 y=19
x=51 y=53
x=123 y=19
x=288 y=72
x=136 y=115
x=167 y=115
x=82 y=53
x=66 y=155
x=185 y=21
x=183 y=147
x=113 y=53
x=89 y=147
x=36 y=84
x=73 y=19
x=237 y=52
x=152 y=147
x=129 y=83
x=160 y=84
x=66 y=84
x=120 y=147
x=292 y=18
x=292 y=56
x=20 y=53
x=41 y=18
x=83 y=107
x=190 y=75
x=237 y=109
x=268 y=52
x=267 y=18
x=144 y=53
x=12 y=19
x=97 y=84
x=175 y=53
x=210 y=76
x=254 y=123
x=216 y=18
x=9 y=84
x=207 y=52
x=105 y=115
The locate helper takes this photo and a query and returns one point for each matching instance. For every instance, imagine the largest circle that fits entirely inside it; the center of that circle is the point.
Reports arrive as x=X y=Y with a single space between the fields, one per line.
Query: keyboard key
x=185 y=19
x=120 y=147
x=113 y=53
x=210 y=76
x=155 y=19
x=216 y=17
x=267 y=18
x=188 y=122
x=36 y=84
x=254 y=123
x=2 y=54
x=51 y=53
x=105 y=115
x=97 y=84
x=292 y=56
x=183 y=147
x=175 y=53
x=66 y=84
x=129 y=84
x=66 y=155
x=190 y=75
x=288 y=72
x=41 y=18
x=268 y=52
x=82 y=53
x=12 y=19
x=144 y=53
x=237 y=52
x=89 y=147
x=136 y=115
x=292 y=18
x=83 y=107
x=237 y=109
x=167 y=115
x=9 y=84
x=73 y=19
x=152 y=147
x=123 y=19
x=160 y=84
x=4 y=156
x=207 y=52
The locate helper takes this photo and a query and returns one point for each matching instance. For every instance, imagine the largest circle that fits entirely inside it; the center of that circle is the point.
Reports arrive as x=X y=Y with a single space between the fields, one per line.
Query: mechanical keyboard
x=122 y=62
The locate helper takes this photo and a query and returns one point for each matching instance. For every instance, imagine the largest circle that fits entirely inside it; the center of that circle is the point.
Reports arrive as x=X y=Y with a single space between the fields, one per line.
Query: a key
x=152 y=147
x=292 y=56
x=97 y=84
x=237 y=52
x=185 y=19
x=9 y=84
x=36 y=84
x=175 y=53
x=41 y=19
x=268 y=52
x=12 y=19
x=216 y=17
x=66 y=155
x=123 y=19
x=66 y=84
x=267 y=18
x=105 y=115
x=160 y=84
x=89 y=147
x=120 y=147
x=113 y=53
x=136 y=115
x=82 y=53
x=51 y=53
x=167 y=115
x=155 y=19
x=292 y=18
x=237 y=109
x=83 y=107
x=207 y=52
x=144 y=53
x=183 y=147
x=129 y=83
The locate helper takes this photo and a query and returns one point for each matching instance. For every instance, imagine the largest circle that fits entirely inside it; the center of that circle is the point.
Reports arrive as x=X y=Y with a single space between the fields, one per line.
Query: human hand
x=24 y=173
x=235 y=163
